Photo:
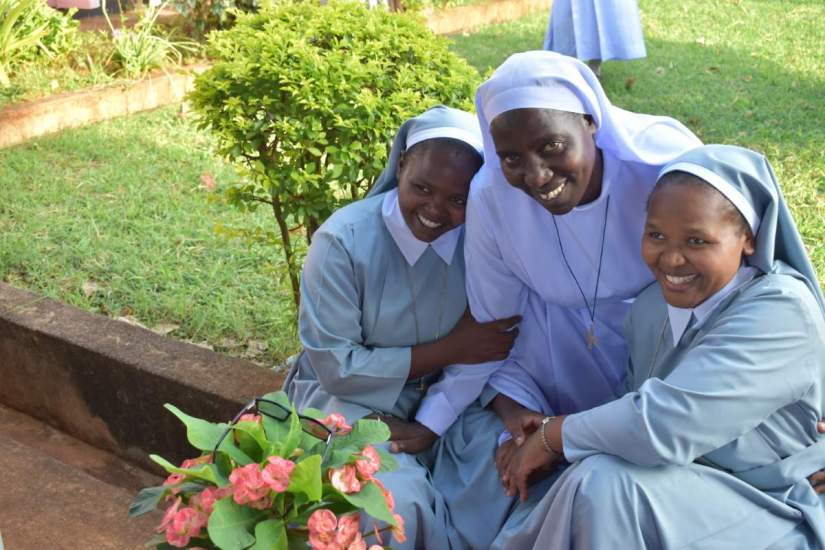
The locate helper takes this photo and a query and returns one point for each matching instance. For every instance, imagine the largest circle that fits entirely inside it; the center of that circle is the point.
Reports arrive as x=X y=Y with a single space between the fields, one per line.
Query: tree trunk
x=289 y=253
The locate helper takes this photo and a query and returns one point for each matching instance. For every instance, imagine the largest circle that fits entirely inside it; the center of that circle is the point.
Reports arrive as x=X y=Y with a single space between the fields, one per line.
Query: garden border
x=27 y=120
x=105 y=381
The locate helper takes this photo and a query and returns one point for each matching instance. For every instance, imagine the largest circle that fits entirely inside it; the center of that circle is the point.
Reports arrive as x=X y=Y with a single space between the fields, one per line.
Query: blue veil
x=437 y=122
x=747 y=179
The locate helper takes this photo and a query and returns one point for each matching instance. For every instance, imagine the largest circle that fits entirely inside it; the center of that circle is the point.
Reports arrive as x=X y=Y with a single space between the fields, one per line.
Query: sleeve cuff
x=504 y=437
x=436 y=413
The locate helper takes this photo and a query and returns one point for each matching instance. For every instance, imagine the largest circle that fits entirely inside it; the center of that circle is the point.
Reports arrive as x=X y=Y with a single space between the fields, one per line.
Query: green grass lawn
x=114 y=218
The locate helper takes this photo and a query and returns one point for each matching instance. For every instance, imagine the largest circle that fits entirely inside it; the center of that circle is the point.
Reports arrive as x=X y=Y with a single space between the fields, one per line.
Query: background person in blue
x=383 y=302
x=713 y=442
x=595 y=30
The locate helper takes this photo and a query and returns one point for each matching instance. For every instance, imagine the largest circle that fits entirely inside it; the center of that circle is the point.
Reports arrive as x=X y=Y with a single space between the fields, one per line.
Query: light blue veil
x=747 y=179
x=437 y=122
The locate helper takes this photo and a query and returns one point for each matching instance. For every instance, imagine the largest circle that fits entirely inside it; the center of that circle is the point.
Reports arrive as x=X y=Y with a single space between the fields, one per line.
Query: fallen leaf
x=701 y=41
x=165 y=328
x=130 y=320
x=89 y=288
x=693 y=120
x=255 y=348
x=208 y=181
x=204 y=344
x=631 y=80
x=660 y=70
x=229 y=343
x=712 y=69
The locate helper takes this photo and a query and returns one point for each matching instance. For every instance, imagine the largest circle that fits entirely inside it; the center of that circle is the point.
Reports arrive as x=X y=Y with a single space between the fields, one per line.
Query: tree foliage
x=305 y=99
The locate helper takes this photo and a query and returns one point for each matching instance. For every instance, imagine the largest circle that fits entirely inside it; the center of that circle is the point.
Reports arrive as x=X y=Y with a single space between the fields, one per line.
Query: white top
x=411 y=247
x=680 y=317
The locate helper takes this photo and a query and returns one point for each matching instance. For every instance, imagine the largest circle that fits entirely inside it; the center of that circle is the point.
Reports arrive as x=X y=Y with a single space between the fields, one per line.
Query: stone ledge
x=467 y=18
x=30 y=119
x=105 y=382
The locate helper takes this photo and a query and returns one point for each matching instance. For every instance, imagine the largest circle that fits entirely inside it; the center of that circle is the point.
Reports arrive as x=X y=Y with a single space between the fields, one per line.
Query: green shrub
x=30 y=28
x=304 y=99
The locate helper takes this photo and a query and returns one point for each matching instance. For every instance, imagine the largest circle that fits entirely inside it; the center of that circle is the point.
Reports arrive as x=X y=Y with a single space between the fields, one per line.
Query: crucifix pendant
x=591 y=336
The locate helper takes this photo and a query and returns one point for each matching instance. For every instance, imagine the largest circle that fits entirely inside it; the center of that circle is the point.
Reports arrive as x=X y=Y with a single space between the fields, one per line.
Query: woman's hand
x=526 y=463
x=518 y=419
x=818 y=478
x=473 y=342
x=408 y=437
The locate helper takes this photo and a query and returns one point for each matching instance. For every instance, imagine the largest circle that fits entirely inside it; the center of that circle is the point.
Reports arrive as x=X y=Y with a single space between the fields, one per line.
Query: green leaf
x=371 y=500
x=270 y=535
x=203 y=435
x=306 y=478
x=146 y=500
x=230 y=525
x=206 y=472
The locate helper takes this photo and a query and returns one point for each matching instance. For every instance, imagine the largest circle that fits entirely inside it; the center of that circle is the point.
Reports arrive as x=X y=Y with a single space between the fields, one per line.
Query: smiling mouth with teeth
x=428 y=223
x=675 y=280
x=554 y=193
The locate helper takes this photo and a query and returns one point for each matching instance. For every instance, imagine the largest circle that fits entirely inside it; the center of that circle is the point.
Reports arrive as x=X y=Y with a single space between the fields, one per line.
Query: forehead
x=550 y=119
x=685 y=198
x=448 y=168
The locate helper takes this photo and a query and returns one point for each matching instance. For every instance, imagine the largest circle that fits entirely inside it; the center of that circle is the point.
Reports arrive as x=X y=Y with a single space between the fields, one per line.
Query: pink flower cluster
x=182 y=523
x=351 y=478
x=328 y=532
x=337 y=423
x=250 y=485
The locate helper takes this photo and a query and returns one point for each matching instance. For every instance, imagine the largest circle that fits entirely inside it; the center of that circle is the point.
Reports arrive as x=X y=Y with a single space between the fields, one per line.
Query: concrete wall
x=105 y=382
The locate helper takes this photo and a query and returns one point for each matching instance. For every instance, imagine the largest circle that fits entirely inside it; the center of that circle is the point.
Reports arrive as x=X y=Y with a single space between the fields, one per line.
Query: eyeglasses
x=276 y=411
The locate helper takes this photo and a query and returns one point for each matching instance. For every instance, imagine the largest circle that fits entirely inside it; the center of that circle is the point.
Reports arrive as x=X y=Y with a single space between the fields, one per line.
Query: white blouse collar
x=410 y=247
x=680 y=317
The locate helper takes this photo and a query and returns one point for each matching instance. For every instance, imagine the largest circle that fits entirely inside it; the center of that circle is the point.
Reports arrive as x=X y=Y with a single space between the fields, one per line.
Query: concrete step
x=59 y=493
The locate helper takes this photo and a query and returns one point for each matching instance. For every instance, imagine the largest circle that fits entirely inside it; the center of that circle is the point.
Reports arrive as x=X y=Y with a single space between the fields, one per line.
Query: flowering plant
x=274 y=479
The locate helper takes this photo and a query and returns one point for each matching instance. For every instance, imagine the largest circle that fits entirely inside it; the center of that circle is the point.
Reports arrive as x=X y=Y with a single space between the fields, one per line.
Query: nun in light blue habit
x=370 y=292
x=713 y=442
x=595 y=30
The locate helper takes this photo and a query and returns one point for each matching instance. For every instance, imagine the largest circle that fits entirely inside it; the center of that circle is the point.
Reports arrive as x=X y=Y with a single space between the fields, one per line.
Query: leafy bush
x=305 y=99
x=30 y=28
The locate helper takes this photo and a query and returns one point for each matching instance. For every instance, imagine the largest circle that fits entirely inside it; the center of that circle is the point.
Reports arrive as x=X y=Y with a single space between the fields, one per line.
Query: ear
x=589 y=124
x=749 y=247
x=401 y=163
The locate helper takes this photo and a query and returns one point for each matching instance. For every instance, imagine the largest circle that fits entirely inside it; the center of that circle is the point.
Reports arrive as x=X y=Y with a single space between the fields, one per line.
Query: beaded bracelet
x=547 y=447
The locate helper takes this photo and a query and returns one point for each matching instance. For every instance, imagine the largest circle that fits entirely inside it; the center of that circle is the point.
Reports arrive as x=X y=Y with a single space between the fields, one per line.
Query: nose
x=536 y=174
x=671 y=259
x=435 y=208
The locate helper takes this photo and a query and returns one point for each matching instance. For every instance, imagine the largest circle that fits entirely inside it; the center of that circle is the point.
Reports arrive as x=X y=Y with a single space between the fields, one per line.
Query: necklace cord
x=591 y=312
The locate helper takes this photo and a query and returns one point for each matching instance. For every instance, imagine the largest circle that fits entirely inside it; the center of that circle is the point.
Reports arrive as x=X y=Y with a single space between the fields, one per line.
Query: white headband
x=729 y=191
x=452 y=132
x=550 y=95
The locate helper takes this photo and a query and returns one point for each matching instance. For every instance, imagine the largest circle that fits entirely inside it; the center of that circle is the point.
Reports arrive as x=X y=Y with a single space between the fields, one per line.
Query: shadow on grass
x=724 y=95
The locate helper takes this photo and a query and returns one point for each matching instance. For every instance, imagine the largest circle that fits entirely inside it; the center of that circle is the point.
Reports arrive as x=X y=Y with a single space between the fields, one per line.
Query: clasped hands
x=523 y=459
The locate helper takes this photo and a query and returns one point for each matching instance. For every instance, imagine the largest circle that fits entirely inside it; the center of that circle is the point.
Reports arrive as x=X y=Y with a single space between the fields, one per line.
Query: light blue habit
x=370 y=292
x=711 y=445
x=595 y=29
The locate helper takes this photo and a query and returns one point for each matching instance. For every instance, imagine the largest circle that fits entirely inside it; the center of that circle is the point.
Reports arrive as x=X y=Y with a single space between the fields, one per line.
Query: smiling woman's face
x=433 y=184
x=550 y=155
x=694 y=240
